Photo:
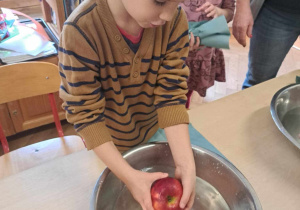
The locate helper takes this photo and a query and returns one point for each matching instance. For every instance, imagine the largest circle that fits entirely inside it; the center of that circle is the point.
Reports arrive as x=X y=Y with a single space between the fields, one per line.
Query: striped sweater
x=112 y=94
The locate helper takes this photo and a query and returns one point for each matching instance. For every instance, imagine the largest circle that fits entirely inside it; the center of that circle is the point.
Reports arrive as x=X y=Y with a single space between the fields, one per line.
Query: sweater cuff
x=172 y=115
x=95 y=134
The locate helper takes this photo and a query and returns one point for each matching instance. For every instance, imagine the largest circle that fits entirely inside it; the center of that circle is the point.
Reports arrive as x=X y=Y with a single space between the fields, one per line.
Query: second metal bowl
x=285 y=111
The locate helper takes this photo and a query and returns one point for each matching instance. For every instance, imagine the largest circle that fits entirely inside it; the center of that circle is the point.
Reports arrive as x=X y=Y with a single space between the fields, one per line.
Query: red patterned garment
x=206 y=65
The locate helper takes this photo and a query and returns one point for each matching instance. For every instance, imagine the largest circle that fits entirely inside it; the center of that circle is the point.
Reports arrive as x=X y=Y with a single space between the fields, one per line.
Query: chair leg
x=3 y=141
x=55 y=115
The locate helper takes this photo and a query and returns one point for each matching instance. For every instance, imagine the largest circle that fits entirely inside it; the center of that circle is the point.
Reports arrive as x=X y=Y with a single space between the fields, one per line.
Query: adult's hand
x=242 y=21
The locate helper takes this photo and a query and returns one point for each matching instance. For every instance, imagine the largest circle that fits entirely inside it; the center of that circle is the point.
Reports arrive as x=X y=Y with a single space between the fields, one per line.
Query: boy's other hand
x=209 y=9
x=192 y=44
x=139 y=184
x=187 y=175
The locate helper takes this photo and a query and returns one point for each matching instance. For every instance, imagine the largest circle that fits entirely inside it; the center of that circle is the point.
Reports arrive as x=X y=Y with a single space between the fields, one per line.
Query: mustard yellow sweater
x=112 y=94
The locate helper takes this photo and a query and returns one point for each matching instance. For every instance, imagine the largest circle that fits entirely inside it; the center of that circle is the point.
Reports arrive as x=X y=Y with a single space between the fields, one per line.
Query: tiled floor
x=236 y=68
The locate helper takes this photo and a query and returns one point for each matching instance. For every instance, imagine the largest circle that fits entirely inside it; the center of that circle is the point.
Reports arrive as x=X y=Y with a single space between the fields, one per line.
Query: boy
x=123 y=76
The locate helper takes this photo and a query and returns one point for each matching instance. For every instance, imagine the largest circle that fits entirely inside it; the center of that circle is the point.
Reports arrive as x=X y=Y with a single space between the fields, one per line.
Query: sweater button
x=136 y=60
x=125 y=50
x=117 y=38
x=135 y=74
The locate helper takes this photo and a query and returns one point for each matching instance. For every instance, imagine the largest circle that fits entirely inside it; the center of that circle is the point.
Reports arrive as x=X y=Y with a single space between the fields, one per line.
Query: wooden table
x=39 y=153
x=240 y=126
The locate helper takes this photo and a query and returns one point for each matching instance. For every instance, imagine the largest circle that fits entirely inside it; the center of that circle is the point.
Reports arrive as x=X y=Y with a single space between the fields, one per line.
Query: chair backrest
x=28 y=79
x=24 y=80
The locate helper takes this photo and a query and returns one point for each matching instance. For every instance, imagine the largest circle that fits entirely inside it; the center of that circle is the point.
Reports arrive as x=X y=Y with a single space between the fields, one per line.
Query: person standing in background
x=206 y=65
x=275 y=30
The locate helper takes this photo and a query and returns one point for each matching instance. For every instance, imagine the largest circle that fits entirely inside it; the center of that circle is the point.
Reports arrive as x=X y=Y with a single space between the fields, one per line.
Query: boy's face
x=151 y=13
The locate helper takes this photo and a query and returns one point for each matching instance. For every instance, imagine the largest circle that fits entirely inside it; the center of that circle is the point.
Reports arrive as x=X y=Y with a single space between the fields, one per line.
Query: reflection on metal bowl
x=285 y=111
x=219 y=184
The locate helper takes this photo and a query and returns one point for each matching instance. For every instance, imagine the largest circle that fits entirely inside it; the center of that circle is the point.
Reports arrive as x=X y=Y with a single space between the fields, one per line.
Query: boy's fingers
x=185 y=197
x=160 y=175
x=183 y=202
x=148 y=204
x=191 y=201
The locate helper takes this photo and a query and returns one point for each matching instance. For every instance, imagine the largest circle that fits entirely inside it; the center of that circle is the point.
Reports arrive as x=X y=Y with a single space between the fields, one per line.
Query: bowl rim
x=275 y=116
x=223 y=160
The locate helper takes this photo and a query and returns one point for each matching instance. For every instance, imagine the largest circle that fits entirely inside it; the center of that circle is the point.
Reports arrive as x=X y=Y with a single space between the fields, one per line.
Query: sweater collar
x=112 y=29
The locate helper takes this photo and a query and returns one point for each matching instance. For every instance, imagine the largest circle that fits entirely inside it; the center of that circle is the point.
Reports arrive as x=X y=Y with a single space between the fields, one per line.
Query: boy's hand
x=188 y=180
x=192 y=44
x=139 y=184
x=179 y=141
x=209 y=9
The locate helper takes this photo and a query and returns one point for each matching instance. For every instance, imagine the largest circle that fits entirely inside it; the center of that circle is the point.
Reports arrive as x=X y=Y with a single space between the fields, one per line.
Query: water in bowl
x=207 y=197
x=291 y=122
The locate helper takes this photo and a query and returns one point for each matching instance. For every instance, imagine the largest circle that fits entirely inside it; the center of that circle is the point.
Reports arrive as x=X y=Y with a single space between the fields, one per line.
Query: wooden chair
x=23 y=80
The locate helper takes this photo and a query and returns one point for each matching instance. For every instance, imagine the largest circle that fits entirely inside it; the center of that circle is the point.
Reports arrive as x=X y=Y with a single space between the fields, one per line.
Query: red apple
x=166 y=194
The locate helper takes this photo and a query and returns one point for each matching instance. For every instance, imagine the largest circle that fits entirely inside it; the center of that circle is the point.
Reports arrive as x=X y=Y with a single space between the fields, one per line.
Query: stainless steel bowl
x=285 y=111
x=219 y=184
